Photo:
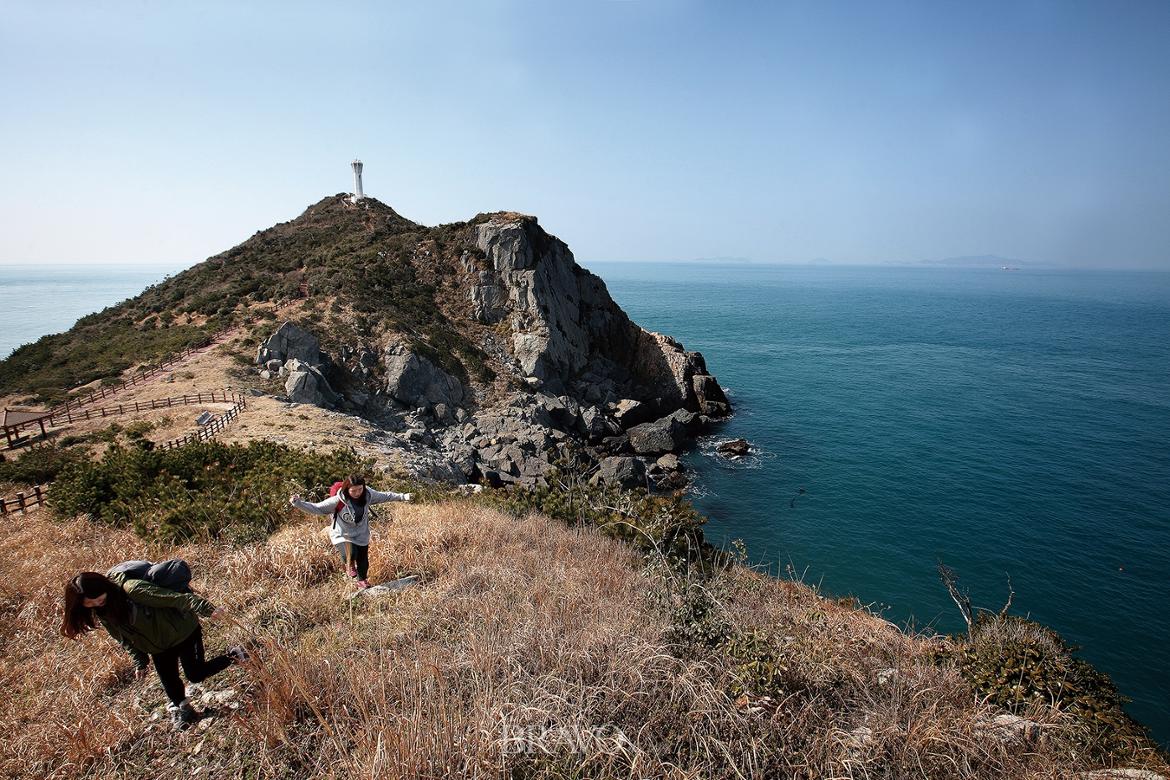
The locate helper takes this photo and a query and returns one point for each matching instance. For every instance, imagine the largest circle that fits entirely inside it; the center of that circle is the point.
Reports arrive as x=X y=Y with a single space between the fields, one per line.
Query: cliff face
x=568 y=332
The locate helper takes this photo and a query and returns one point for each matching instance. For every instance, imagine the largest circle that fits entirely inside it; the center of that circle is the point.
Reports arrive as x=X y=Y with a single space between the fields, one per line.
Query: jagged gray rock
x=596 y=426
x=622 y=471
x=666 y=434
x=290 y=341
x=413 y=380
x=566 y=329
x=712 y=400
x=306 y=385
x=669 y=462
x=628 y=412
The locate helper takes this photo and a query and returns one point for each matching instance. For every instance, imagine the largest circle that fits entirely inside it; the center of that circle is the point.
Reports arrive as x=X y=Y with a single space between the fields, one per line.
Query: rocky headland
x=550 y=365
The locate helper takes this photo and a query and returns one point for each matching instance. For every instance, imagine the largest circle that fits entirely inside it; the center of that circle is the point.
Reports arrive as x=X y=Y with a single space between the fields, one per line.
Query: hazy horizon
x=662 y=131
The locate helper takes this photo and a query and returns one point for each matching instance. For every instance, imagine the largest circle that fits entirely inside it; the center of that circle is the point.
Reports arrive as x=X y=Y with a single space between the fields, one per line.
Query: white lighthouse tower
x=357 y=180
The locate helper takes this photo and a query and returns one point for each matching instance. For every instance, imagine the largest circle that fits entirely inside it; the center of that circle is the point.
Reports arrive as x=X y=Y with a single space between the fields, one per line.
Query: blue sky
x=859 y=132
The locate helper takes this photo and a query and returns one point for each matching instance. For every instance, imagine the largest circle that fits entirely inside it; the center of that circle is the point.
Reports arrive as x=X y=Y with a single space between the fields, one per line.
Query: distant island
x=983 y=261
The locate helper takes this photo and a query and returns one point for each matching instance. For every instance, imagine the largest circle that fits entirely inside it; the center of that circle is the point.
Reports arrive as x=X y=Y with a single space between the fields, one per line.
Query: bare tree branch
x=961 y=599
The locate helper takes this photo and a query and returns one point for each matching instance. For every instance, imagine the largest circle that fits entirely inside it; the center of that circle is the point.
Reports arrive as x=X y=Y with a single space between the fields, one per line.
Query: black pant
x=359 y=556
x=190 y=653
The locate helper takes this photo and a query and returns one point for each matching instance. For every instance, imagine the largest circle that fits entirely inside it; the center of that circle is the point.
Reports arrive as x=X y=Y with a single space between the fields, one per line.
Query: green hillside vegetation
x=362 y=260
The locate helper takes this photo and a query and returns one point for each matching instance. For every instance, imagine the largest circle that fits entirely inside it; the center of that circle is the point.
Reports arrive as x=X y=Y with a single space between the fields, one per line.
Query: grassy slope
x=358 y=259
x=523 y=622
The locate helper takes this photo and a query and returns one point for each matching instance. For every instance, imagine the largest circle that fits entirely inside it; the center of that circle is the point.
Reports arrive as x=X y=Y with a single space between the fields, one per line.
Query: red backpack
x=334 y=489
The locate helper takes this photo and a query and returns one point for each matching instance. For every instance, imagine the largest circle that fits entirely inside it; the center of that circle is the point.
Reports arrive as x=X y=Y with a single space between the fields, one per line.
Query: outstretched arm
x=325 y=507
x=379 y=497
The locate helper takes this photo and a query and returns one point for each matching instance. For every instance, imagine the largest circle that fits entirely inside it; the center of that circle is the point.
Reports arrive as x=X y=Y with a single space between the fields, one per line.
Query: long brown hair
x=91 y=585
x=350 y=481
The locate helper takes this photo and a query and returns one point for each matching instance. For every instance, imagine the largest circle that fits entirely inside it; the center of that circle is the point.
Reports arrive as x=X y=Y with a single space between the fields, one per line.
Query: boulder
x=736 y=448
x=413 y=380
x=290 y=341
x=690 y=422
x=306 y=385
x=596 y=426
x=561 y=412
x=621 y=471
x=669 y=462
x=629 y=413
x=655 y=438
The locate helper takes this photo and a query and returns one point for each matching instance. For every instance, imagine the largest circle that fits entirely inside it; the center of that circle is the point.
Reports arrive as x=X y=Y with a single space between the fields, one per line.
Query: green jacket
x=159 y=618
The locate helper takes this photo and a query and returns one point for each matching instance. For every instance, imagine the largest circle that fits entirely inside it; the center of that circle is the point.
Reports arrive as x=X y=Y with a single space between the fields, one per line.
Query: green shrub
x=654 y=523
x=1016 y=663
x=39 y=465
x=201 y=491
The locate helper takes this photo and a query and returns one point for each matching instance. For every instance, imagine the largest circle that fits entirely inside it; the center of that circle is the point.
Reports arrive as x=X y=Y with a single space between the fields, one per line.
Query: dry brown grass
x=522 y=633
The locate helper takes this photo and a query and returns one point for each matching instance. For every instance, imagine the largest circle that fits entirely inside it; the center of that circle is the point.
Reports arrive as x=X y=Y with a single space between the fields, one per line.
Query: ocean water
x=1006 y=423
x=38 y=300
x=1009 y=424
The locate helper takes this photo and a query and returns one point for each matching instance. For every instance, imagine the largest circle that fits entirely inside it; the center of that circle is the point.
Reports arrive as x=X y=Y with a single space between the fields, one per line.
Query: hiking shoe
x=239 y=654
x=363 y=584
x=182 y=715
x=352 y=572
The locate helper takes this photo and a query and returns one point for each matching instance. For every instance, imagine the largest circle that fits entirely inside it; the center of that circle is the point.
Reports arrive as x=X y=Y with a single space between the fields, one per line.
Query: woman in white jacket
x=350 y=532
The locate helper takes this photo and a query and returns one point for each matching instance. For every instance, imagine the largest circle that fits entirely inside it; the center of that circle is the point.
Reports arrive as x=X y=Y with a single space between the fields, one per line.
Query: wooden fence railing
x=38 y=495
x=209 y=431
x=22 y=502
x=65 y=416
x=140 y=376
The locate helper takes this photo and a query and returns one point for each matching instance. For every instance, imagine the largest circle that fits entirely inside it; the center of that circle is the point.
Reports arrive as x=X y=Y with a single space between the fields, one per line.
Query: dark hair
x=90 y=585
x=350 y=481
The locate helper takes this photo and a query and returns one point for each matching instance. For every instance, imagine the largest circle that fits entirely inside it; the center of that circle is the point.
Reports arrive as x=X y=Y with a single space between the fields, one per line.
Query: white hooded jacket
x=352 y=523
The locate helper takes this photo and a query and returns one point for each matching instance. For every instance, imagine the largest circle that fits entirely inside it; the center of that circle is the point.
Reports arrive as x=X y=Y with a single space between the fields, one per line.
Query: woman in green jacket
x=150 y=622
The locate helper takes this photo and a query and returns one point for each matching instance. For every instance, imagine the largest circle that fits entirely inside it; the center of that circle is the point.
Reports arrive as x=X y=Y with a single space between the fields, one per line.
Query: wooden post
x=20 y=502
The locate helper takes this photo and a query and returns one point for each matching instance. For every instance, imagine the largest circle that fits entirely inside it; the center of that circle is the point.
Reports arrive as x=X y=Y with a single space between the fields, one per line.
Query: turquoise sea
x=1007 y=423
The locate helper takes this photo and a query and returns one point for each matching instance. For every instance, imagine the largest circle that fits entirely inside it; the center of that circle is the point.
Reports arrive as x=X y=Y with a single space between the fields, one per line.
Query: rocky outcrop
x=288 y=342
x=537 y=276
x=567 y=332
x=414 y=381
x=555 y=364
